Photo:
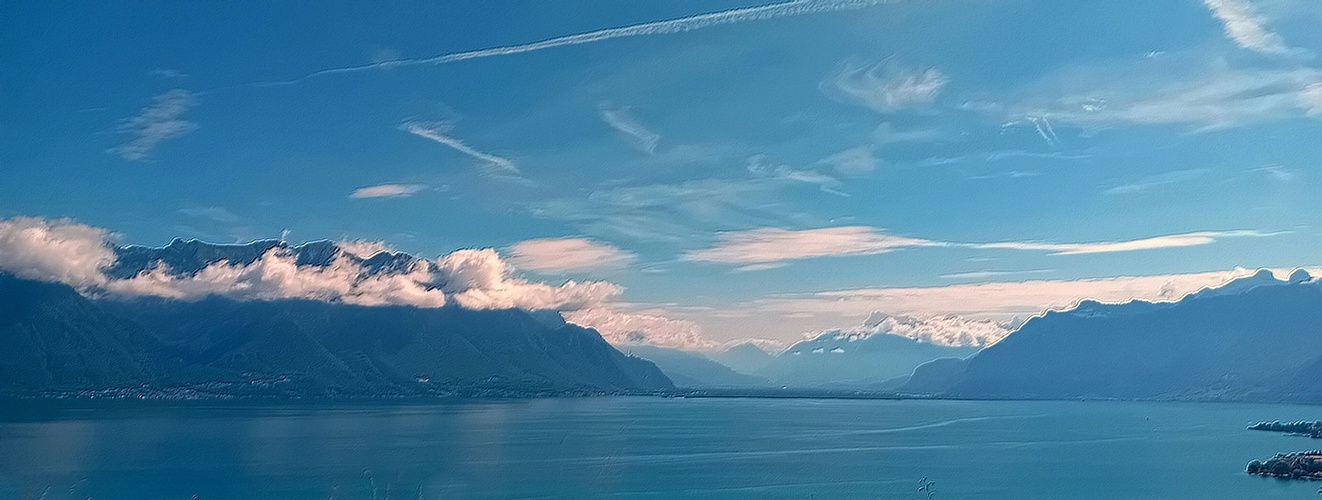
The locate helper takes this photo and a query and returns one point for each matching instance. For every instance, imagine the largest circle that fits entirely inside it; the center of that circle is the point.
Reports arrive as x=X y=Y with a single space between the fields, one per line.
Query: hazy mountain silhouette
x=693 y=370
x=845 y=360
x=743 y=358
x=1256 y=338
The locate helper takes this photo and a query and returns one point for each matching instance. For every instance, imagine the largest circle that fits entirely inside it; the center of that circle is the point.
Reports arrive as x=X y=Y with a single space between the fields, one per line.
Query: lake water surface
x=641 y=447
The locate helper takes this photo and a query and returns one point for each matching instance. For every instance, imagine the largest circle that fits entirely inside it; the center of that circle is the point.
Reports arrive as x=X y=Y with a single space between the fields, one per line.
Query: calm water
x=648 y=448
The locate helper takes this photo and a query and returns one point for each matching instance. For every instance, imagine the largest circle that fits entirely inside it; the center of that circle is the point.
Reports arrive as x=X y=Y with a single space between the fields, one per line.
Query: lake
x=643 y=447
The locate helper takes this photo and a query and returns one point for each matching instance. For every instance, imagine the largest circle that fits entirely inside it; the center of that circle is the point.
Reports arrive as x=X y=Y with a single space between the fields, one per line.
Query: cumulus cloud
x=78 y=255
x=160 y=121
x=277 y=275
x=650 y=326
x=568 y=254
x=479 y=279
x=60 y=251
x=773 y=245
x=634 y=131
x=1246 y=27
x=886 y=86
x=937 y=329
x=387 y=191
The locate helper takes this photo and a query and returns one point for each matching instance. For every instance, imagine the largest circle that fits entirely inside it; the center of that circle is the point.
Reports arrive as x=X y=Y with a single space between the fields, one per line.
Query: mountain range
x=1256 y=338
x=60 y=342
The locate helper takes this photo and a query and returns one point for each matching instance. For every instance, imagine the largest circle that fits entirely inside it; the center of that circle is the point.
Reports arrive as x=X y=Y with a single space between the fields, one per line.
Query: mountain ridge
x=219 y=347
x=1241 y=341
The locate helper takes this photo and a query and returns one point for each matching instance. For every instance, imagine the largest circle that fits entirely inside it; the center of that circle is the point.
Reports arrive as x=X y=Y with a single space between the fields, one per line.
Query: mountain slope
x=54 y=339
x=63 y=341
x=690 y=369
x=1254 y=338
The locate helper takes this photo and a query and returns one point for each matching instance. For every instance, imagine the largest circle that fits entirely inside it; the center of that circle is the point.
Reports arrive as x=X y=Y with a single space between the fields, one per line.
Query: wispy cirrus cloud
x=555 y=255
x=1198 y=92
x=998 y=299
x=495 y=166
x=886 y=86
x=672 y=213
x=756 y=249
x=388 y=191
x=978 y=275
x=668 y=26
x=761 y=166
x=766 y=248
x=160 y=121
x=854 y=162
x=1246 y=27
x=1158 y=180
x=1168 y=241
x=631 y=129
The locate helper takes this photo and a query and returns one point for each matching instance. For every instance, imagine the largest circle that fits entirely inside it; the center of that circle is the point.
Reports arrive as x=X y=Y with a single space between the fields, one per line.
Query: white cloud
x=634 y=132
x=214 y=214
x=479 y=279
x=998 y=300
x=54 y=250
x=937 y=329
x=767 y=248
x=1246 y=27
x=774 y=245
x=495 y=166
x=361 y=249
x=677 y=25
x=648 y=326
x=1179 y=90
x=77 y=255
x=156 y=123
x=760 y=166
x=854 y=162
x=276 y=275
x=568 y=254
x=672 y=213
x=387 y=191
x=1277 y=172
x=1169 y=241
x=885 y=86
x=1158 y=180
x=970 y=275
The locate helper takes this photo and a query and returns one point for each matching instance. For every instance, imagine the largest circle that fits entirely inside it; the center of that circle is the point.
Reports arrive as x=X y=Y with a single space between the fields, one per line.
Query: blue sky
x=735 y=167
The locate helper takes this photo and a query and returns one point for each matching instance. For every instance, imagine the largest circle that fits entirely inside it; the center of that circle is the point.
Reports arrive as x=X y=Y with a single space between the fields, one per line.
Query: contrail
x=678 y=25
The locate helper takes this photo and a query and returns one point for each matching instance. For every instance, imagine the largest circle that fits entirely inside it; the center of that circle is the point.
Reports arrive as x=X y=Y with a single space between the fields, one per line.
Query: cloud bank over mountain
x=82 y=256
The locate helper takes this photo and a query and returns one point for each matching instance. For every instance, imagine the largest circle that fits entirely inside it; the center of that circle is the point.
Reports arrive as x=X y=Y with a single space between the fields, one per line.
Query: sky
x=728 y=170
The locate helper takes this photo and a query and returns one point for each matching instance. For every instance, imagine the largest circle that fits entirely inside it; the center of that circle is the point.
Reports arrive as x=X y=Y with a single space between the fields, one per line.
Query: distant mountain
x=190 y=256
x=836 y=359
x=743 y=358
x=59 y=342
x=1256 y=338
x=693 y=370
